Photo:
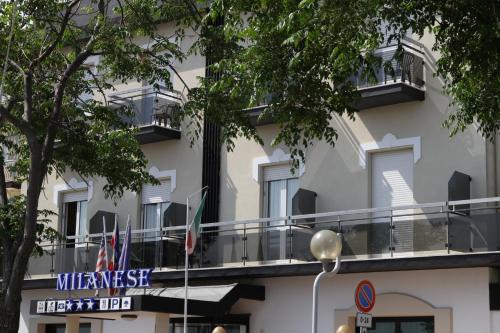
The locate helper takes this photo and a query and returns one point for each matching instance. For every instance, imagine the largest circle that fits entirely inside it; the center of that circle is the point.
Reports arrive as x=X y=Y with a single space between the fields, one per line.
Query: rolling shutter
x=156 y=193
x=75 y=196
x=392 y=178
x=392 y=185
x=278 y=172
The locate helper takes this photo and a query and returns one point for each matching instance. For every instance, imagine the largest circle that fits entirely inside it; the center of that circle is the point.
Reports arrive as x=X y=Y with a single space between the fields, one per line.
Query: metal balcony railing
x=10 y=176
x=407 y=67
x=436 y=229
x=151 y=106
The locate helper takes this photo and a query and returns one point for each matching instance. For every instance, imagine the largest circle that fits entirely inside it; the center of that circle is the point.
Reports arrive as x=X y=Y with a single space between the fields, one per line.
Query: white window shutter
x=156 y=193
x=278 y=172
x=75 y=196
x=392 y=178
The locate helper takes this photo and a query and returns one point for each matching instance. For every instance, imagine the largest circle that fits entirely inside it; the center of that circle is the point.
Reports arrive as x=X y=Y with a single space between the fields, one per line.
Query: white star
x=69 y=305
x=79 y=305
x=90 y=304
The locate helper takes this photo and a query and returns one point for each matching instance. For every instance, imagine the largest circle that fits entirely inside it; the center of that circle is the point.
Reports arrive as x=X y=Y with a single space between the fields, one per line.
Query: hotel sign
x=84 y=305
x=134 y=278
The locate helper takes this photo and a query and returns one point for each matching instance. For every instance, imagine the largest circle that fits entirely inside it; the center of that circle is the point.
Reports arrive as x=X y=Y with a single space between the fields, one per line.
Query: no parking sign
x=364 y=296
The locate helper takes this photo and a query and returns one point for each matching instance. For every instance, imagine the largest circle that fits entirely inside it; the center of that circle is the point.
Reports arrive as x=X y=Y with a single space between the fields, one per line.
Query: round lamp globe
x=326 y=245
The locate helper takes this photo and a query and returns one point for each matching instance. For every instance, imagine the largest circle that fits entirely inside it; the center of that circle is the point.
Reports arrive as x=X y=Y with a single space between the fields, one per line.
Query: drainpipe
x=491 y=167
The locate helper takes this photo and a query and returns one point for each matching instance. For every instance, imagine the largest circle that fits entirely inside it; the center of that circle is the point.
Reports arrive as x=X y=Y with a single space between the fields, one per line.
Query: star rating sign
x=79 y=305
x=70 y=305
x=91 y=304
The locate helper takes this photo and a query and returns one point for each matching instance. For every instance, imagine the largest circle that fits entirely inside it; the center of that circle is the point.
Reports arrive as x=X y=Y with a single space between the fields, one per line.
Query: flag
x=101 y=256
x=194 y=227
x=115 y=256
x=123 y=263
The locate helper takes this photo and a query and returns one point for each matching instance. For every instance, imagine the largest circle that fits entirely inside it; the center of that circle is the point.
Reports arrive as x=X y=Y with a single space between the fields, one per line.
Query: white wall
x=288 y=300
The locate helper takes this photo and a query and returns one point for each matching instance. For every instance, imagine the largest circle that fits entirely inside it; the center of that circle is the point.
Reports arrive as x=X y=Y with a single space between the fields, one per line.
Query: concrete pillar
x=72 y=324
x=162 y=321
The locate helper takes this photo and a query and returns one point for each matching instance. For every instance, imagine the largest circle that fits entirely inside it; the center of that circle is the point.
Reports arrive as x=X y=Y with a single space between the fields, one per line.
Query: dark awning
x=210 y=301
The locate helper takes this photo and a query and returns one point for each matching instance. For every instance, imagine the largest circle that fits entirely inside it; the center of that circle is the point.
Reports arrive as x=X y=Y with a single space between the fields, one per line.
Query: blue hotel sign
x=133 y=278
x=84 y=305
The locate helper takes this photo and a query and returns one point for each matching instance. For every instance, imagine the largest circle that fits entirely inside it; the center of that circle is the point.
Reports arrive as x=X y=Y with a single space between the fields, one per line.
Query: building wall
x=340 y=175
x=287 y=307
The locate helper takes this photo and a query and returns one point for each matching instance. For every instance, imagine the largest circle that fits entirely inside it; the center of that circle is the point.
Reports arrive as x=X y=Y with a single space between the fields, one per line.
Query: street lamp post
x=325 y=246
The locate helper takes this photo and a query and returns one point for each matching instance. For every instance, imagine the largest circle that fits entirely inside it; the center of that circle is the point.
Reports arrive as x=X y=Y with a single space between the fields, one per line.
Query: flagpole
x=186 y=258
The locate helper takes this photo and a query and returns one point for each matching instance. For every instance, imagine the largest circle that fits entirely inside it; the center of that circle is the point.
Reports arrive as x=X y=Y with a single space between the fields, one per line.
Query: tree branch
x=99 y=87
x=49 y=49
x=28 y=96
x=17 y=66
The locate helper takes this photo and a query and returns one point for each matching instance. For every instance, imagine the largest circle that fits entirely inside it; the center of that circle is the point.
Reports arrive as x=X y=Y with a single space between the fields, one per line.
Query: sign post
x=364 y=298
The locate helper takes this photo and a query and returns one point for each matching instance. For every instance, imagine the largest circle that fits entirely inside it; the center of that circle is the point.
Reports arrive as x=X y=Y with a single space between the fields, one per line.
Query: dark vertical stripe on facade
x=211 y=159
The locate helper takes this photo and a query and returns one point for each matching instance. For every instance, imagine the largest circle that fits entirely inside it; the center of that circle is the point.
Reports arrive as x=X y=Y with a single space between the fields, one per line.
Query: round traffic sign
x=364 y=296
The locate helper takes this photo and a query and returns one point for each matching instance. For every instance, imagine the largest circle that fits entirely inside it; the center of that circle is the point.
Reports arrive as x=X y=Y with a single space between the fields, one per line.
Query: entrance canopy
x=209 y=301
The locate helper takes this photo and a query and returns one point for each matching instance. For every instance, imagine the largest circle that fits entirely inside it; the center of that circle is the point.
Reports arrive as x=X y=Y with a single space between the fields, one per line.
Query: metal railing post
x=160 y=266
x=391 y=234
x=244 y=258
x=448 y=236
x=290 y=238
x=86 y=253
x=52 y=254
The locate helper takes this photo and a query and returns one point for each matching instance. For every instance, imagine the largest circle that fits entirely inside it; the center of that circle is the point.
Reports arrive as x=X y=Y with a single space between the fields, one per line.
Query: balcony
x=436 y=235
x=398 y=79
x=13 y=187
x=156 y=112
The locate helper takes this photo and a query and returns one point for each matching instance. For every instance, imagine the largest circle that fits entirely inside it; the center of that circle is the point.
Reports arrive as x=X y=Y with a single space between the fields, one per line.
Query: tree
x=298 y=56
x=50 y=127
x=467 y=36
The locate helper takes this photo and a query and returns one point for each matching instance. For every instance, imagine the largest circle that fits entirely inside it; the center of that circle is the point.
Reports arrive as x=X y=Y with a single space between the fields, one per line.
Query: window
x=155 y=202
x=75 y=222
x=402 y=325
x=280 y=186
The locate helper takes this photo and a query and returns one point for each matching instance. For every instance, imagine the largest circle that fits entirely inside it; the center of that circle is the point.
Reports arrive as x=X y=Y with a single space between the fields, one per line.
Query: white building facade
x=417 y=211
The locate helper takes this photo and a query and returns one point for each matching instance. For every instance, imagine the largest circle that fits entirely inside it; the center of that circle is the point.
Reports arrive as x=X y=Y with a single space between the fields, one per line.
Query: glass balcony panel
x=474 y=230
x=150 y=106
x=70 y=258
x=303 y=230
x=365 y=237
x=422 y=233
x=146 y=249
x=41 y=265
x=221 y=248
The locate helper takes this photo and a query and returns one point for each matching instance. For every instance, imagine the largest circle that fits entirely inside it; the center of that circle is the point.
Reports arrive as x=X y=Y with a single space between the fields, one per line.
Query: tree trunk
x=10 y=305
x=9 y=316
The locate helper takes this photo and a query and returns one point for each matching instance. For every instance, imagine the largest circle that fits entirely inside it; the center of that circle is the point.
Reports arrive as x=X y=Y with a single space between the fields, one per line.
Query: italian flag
x=194 y=227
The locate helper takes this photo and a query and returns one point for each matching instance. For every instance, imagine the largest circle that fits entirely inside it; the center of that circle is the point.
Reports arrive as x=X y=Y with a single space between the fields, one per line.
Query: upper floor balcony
x=155 y=112
x=398 y=78
x=425 y=236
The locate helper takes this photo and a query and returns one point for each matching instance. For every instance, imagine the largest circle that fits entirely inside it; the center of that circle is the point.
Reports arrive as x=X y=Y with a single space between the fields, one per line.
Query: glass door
x=279 y=203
